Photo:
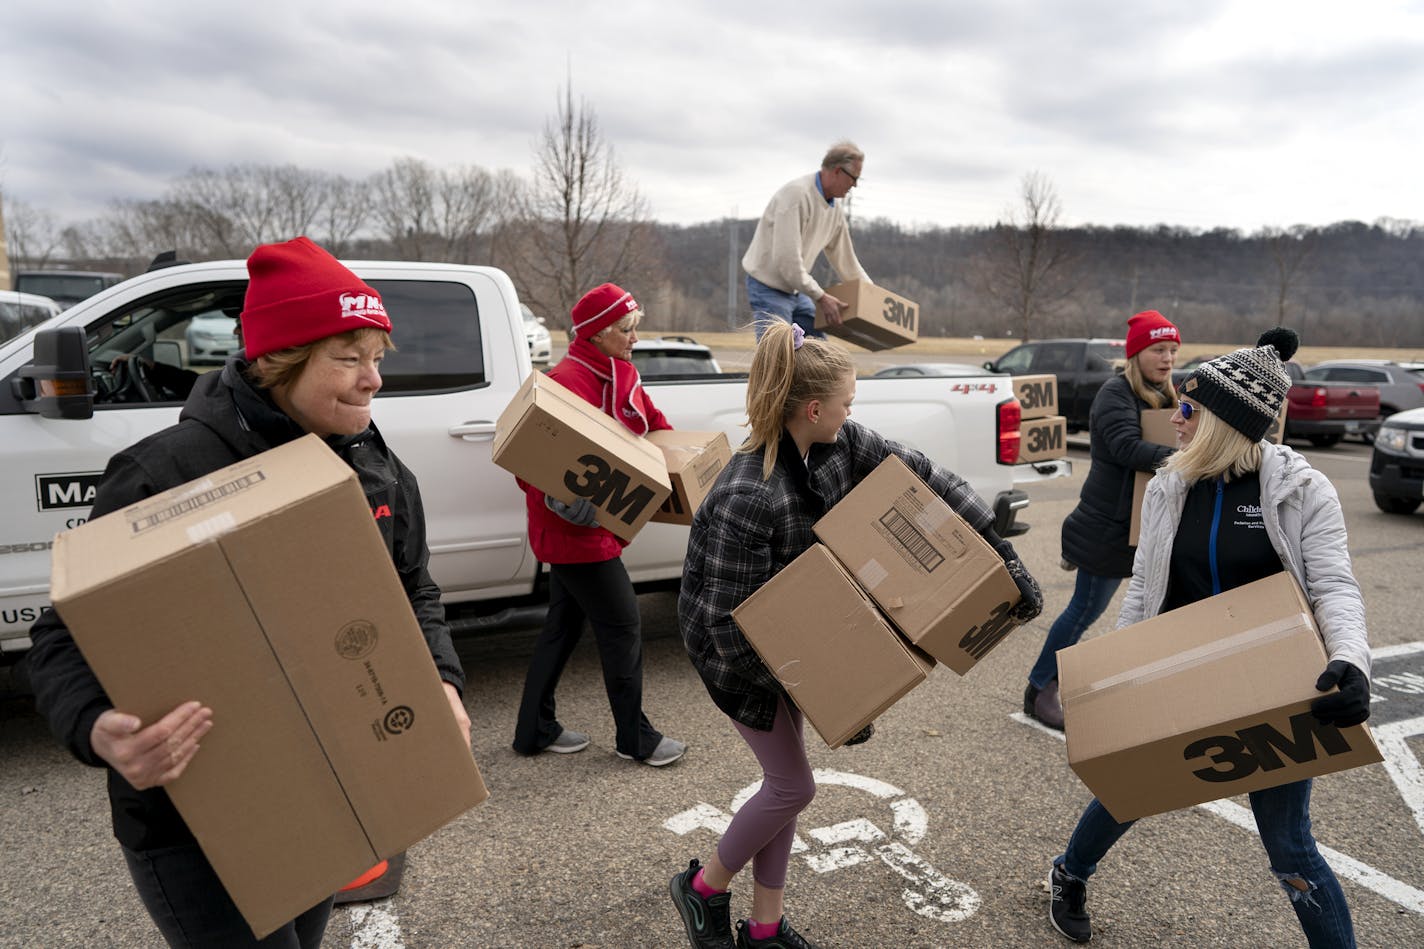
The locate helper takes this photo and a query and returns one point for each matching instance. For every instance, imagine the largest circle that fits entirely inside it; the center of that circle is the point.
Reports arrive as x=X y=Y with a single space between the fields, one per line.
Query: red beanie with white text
x=601 y=307
x=297 y=293
x=1149 y=327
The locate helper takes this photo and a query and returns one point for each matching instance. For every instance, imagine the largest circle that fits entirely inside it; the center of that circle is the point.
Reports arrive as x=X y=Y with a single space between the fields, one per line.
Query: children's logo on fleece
x=363 y=306
x=929 y=893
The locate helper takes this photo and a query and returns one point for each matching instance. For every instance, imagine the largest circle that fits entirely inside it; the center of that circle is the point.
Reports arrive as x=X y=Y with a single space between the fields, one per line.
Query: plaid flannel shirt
x=747 y=529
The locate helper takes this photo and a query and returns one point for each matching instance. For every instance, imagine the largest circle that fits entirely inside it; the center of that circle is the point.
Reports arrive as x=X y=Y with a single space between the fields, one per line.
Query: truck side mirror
x=56 y=383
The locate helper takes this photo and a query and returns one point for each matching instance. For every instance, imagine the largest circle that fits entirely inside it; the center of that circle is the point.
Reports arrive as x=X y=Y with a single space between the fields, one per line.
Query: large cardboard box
x=1203 y=702
x=264 y=590
x=1156 y=428
x=874 y=317
x=694 y=460
x=1043 y=438
x=569 y=449
x=1037 y=395
x=824 y=640
x=937 y=580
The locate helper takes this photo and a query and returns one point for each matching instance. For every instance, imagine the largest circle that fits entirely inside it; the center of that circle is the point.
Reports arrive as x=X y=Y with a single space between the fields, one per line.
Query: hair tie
x=798 y=336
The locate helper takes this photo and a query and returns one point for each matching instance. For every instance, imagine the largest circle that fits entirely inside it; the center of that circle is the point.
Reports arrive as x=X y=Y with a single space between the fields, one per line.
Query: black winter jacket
x=1095 y=533
x=224 y=421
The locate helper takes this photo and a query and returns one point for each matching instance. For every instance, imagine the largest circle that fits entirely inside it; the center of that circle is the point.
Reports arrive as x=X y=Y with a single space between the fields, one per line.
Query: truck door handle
x=478 y=430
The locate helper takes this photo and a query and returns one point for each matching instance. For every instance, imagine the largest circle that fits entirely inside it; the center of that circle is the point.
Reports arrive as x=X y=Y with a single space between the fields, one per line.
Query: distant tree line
x=575 y=223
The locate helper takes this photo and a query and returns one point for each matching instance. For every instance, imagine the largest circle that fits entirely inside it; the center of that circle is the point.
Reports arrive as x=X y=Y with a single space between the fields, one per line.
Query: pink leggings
x=762 y=831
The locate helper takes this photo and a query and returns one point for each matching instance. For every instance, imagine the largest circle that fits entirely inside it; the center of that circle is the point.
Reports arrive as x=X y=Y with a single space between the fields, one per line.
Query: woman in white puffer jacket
x=1225 y=510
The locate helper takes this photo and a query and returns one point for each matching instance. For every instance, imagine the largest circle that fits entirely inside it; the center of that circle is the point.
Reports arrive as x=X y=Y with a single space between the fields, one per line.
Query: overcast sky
x=1234 y=113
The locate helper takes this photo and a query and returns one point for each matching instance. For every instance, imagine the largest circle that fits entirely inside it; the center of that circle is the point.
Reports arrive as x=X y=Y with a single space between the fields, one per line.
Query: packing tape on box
x=1199 y=655
x=212 y=527
x=931 y=519
x=871 y=574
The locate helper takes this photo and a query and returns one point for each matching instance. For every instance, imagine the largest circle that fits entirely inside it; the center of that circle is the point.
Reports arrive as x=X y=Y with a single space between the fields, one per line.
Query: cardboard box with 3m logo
x=570 y=449
x=1203 y=702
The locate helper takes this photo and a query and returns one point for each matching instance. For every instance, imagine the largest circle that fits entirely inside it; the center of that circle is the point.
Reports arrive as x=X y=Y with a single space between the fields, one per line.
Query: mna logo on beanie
x=298 y=293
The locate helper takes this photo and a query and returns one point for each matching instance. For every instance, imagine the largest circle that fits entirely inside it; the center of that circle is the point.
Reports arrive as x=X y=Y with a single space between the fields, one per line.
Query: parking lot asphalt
x=938 y=832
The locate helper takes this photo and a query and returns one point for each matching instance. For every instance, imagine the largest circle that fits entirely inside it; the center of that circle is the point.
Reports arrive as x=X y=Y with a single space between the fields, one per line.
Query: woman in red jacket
x=587 y=578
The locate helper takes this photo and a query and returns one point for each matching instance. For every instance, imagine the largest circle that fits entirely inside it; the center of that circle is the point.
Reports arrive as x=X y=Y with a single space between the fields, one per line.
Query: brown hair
x=282 y=367
x=782 y=379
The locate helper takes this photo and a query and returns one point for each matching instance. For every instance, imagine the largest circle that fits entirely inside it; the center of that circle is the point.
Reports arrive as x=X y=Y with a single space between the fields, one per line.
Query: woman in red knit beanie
x=1095 y=533
x=587 y=578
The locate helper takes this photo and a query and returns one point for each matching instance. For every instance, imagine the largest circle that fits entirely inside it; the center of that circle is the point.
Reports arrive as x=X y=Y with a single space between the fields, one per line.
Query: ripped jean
x=1283 y=819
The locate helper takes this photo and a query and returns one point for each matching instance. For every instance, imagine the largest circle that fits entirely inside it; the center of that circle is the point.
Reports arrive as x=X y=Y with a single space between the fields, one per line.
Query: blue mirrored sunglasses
x=1186 y=409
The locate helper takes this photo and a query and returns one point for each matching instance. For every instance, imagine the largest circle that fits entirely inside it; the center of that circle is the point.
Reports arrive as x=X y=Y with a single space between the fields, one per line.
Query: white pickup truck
x=66 y=406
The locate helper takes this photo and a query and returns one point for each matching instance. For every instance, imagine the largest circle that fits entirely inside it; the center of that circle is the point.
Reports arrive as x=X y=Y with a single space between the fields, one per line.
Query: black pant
x=192 y=909
x=602 y=593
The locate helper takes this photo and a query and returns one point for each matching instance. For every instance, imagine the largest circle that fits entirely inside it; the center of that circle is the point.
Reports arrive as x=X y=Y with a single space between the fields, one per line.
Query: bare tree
x=429 y=214
x=1026 y=267
x=345 y=211
x=32 y=236
x=1288 y=250
x=238 y=207
x=579 y=223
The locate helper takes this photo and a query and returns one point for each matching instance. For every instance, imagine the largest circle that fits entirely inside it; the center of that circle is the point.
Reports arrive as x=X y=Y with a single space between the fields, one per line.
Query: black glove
x=1349 y=706
x=861 y=736
x=1030 y=602
x=581 y=513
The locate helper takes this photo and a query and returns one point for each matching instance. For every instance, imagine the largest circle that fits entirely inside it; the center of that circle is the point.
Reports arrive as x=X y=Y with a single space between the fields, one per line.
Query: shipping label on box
x=932 y=574
x=570 y=449
x=1043 y=438
x=265 y=591
x=874 y=317
x=694 y=460
x=1156 y=428
x=837 y=657
x=1203 y=702
x=1037 y=395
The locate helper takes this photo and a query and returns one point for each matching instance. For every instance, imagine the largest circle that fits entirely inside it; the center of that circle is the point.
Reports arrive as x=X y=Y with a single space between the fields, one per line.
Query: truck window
x=437 y=336
x=1056 y=357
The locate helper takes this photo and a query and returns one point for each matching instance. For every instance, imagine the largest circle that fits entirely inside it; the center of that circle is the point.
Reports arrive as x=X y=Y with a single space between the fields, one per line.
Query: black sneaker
x=1068 y=905
x=1030 y=696
x=708 y=920
x=785 y=938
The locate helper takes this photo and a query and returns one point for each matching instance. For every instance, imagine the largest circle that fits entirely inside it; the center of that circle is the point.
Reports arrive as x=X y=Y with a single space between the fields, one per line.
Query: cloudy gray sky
x=1235 y=113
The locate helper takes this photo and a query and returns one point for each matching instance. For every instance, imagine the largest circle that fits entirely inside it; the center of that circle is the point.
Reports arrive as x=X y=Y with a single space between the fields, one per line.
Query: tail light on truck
x=1318 y=398
x=1010 y=416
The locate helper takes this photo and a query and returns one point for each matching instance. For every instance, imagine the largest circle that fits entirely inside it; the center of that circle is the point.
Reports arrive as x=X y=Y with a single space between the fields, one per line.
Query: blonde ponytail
x=784 y=377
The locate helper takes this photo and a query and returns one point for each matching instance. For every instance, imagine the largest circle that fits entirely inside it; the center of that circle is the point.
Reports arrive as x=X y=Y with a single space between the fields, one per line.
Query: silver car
x=537 y=335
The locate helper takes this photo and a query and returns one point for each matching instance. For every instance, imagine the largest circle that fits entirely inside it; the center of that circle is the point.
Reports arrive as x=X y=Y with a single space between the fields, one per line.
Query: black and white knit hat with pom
x=1246 y=388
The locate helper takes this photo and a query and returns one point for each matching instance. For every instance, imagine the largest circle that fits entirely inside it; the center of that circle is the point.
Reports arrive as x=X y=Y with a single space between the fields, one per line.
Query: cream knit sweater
x=795 y=227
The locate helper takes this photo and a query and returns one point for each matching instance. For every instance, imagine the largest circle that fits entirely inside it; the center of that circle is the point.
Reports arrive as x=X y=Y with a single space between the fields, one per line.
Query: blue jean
x=1283 y=820
x=1091 y=596
x=769 y=303
x=191 y=908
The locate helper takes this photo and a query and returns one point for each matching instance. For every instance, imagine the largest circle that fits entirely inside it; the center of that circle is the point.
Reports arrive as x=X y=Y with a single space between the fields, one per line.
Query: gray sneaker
x=667 y=751
x=568 y=742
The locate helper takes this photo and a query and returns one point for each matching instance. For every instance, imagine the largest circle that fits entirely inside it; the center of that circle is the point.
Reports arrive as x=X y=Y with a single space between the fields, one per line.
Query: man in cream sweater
x=803 y=219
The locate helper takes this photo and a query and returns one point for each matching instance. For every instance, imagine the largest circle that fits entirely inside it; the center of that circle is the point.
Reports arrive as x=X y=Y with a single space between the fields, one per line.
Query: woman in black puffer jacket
x=1095 y=533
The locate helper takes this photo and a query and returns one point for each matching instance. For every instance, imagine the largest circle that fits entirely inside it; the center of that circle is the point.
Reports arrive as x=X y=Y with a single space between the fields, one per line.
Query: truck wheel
x=1324 y=441
x=1393 y=505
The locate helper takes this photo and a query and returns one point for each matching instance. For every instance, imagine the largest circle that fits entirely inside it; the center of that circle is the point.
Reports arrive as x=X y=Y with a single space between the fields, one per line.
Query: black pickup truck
x=1081 y=365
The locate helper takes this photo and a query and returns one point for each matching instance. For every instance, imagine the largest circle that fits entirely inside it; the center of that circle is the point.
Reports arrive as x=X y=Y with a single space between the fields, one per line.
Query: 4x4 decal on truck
x=54 y=492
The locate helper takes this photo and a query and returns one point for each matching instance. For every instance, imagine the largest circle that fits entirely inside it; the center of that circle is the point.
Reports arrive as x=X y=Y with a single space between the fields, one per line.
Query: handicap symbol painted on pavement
x=929 y=893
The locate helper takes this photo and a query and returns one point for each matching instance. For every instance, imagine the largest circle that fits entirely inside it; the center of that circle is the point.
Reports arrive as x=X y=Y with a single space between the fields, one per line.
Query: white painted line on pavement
x=1396 y=891
x=1392 y=652
x=375 y=926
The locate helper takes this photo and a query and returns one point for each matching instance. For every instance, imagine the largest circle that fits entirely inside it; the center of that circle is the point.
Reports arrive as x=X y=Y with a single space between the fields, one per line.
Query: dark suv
x=65 y=287
x=1397 y=463
x=1081 y=365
